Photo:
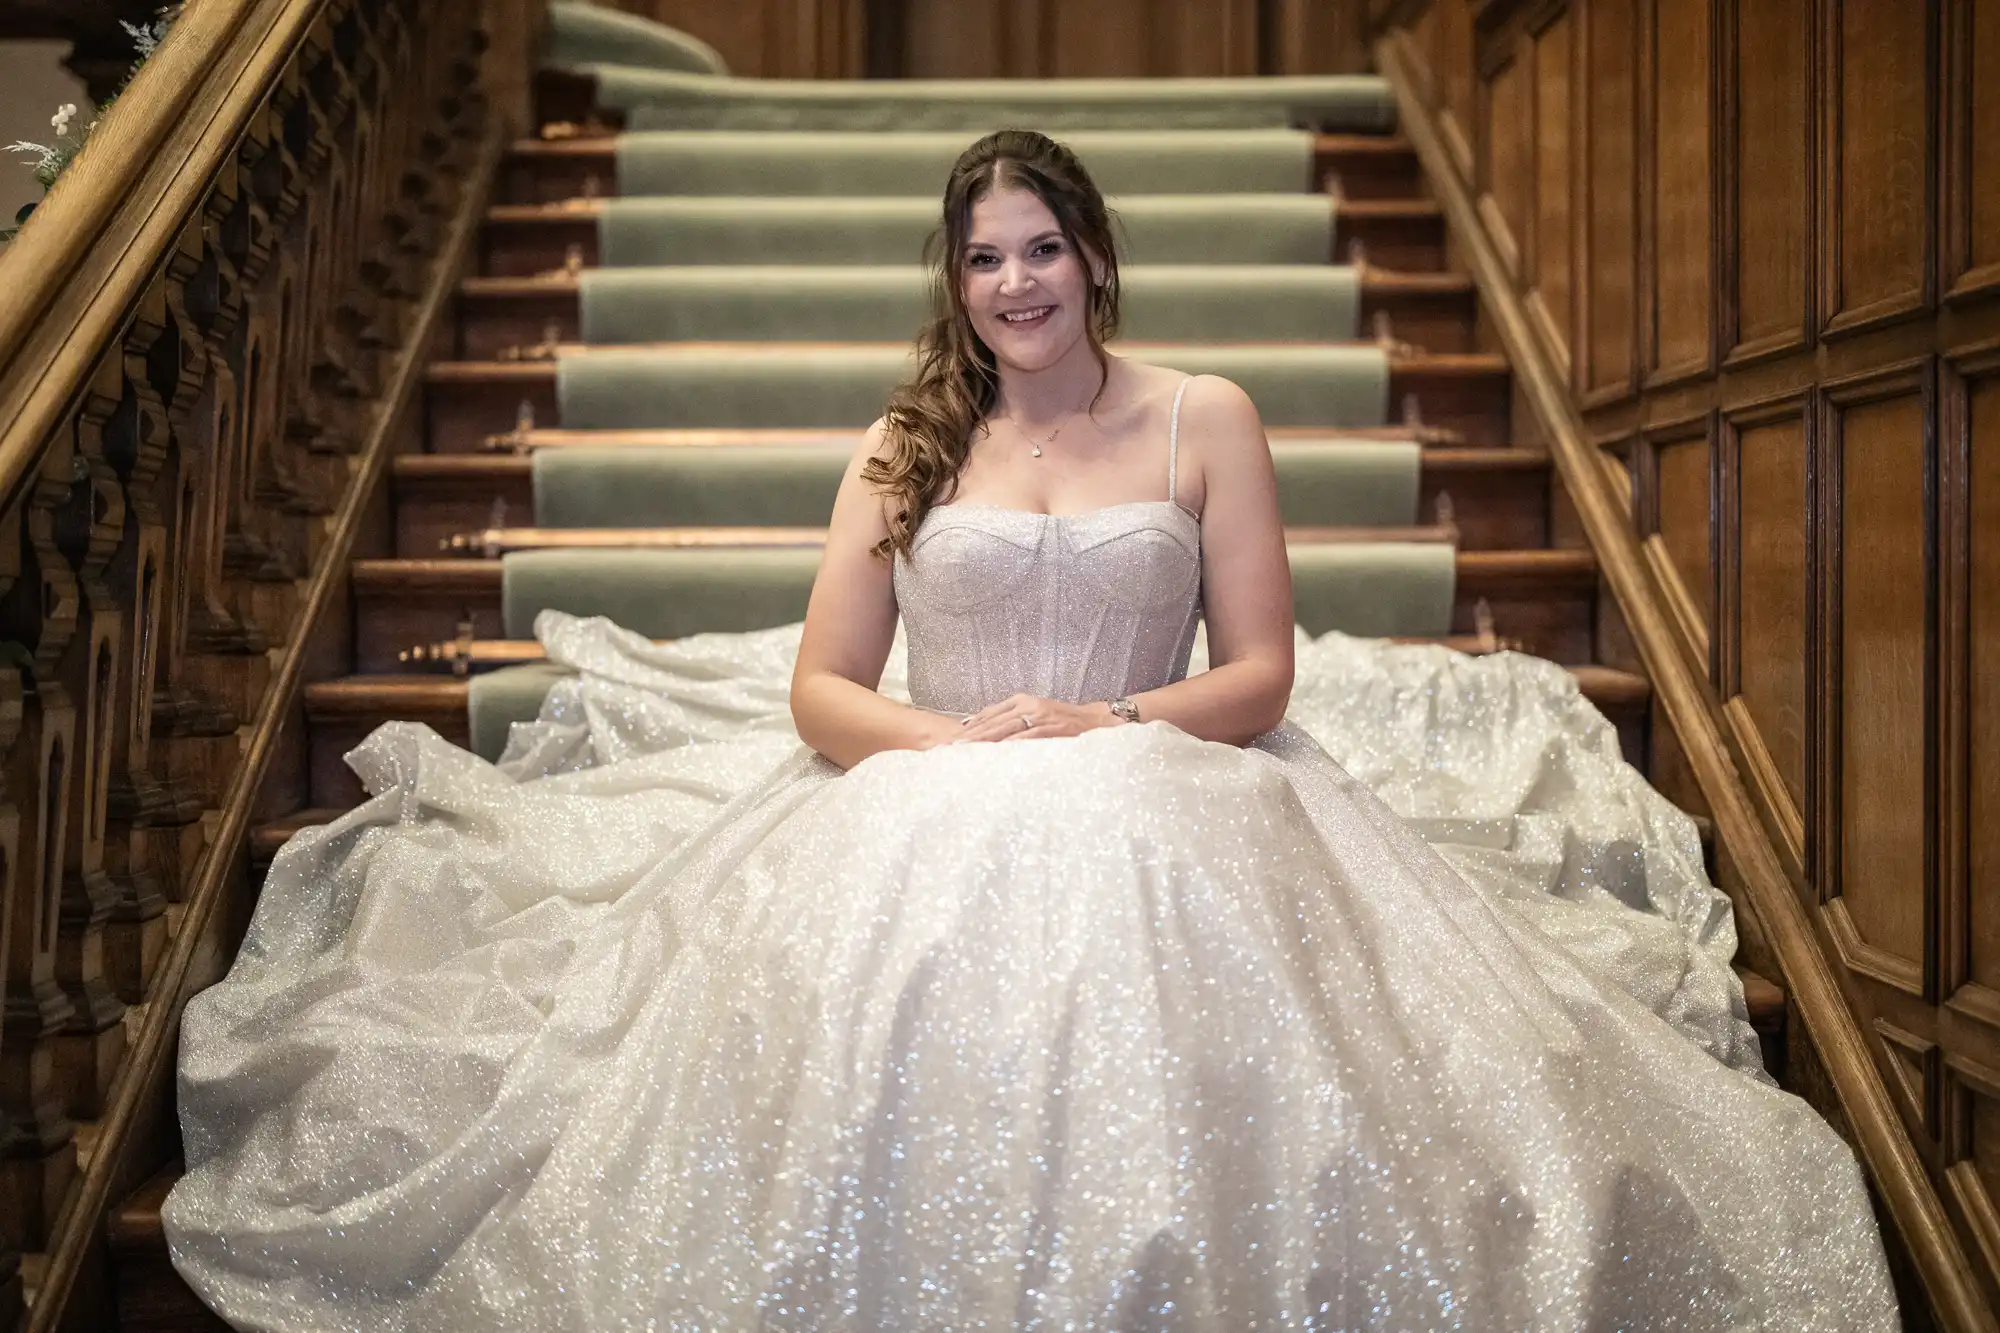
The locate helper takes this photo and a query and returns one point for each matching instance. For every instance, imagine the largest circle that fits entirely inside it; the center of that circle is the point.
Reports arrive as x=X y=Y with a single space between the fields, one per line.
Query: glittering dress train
x=665 y=1023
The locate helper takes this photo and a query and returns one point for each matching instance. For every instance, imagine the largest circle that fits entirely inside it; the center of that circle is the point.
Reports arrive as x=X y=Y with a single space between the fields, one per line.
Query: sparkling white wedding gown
x=665 y=1023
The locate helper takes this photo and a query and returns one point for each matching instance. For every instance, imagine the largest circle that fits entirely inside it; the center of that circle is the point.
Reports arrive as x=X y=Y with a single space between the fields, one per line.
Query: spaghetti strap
x=1174 y=439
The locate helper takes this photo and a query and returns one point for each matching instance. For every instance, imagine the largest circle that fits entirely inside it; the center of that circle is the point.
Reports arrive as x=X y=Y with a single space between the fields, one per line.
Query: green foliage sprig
x=52 y=159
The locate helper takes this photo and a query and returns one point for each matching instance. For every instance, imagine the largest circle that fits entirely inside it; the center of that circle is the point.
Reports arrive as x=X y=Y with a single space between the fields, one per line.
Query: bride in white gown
x=997 y=1008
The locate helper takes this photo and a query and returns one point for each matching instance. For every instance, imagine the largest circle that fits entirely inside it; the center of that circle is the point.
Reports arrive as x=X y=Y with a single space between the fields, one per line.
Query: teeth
x=1016 y=317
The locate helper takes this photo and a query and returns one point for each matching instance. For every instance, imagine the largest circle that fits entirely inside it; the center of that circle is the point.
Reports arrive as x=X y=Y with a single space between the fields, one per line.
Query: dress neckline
x=1175 y=505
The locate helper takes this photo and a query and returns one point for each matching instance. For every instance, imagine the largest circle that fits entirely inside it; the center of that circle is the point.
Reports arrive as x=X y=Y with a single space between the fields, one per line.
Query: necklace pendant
x=1037 y=451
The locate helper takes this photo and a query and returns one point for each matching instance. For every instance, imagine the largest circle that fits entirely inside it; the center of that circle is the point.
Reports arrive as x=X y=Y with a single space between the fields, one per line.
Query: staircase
x=662 y=442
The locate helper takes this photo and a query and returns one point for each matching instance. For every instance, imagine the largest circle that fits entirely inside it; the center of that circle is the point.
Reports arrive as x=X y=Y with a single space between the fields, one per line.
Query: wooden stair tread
x=267 y=838
x=490 y=542
x=408 y=697
x=1461 y=365
x=400 y=694
x=1354 y=143
x=447 y=470
x=135 y=1223
x=1765 y=1000
x=850 y=439
x=572 y=210
x=1340 y=144
x=1375 y=282
x=446 y=573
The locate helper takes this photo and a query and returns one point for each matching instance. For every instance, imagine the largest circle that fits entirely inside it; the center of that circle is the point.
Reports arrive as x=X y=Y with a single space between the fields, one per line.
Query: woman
x=1163 y=1021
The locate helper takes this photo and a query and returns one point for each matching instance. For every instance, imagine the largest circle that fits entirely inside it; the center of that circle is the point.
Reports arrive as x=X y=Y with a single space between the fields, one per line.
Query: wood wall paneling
x=1970 y=862
x=1877 y=215
x=971 y=39
x=1105 y=37
x=1680 y=203
x=1122 y=38
x=1313 y=37
x=1876 y=871
x=1606 y=349
x=1914 y=1063
x=1507 y=158
x=1969 y=855
x=1971 y=159
x=1751 y=215
x=1025 y=38
x=1972 y=1133
x=1425 y=37
x=1765 y=580
x=1456 y=79
x=1554 y=183
x=1677 y=498
x=1767 y=88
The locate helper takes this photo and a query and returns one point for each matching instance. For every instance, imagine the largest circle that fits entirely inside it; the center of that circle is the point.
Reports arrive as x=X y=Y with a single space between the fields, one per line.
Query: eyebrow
x=1054 y=233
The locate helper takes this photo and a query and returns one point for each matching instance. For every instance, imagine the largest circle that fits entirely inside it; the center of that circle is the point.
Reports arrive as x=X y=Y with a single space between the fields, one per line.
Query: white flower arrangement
x=50 y=159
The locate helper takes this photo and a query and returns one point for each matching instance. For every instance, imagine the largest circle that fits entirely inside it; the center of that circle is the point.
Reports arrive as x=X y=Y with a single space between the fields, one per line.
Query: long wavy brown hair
x=931 y=418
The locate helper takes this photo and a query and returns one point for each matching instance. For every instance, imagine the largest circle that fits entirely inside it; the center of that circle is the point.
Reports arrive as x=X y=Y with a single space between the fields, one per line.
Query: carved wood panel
x=1971 y=149
x=1606 y=350
x=1767 y=175
x=1875 y=803
x=1551 y=292
x=1766 y=586
x=1879 y=150
x=1677 y=227
x=1677 y=514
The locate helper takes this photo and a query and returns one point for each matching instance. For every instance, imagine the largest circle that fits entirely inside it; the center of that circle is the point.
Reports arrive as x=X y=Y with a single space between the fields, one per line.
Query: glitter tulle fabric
x=665 y=1023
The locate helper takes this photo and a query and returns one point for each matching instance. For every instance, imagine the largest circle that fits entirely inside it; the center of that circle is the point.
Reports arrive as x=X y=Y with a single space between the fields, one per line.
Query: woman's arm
x=1246 y=578
x=850 y=624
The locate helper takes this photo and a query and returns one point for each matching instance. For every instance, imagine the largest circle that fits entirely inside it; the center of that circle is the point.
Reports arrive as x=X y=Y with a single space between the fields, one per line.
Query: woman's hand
x=1023 y=717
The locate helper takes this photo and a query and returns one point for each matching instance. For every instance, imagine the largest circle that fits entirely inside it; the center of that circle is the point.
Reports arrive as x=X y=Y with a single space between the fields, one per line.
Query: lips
x=1027 y=318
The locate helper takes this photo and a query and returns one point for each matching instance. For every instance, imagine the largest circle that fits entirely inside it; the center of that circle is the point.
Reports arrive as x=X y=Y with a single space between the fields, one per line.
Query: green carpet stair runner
x=819 y=163
x=588 y=34
x=1336 y=386
x=656 y=99
x=659 y=76
x=1327 y=483
x=888 y=303
x=1294 y=228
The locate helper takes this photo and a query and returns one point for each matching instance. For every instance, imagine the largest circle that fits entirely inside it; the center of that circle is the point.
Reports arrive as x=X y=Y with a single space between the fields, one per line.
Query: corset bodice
x=1075 y=607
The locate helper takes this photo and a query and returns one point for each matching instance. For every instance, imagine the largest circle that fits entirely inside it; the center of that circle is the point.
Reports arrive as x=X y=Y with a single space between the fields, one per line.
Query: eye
x=981 y=260
x=1049 y=248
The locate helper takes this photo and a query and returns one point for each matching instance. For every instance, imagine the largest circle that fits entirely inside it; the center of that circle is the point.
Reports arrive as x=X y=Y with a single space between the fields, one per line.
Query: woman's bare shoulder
x=1212 y=401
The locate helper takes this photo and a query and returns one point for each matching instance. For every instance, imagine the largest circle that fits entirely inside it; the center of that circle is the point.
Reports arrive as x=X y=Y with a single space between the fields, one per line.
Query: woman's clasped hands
x=1023 y=717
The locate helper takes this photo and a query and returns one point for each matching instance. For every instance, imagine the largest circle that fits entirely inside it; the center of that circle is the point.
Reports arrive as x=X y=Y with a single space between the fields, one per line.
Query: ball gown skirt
x=1415 y=1014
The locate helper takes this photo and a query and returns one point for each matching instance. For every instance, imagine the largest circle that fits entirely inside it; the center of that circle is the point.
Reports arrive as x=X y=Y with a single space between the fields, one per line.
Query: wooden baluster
x=92 y=1044
x=39 y=614
x=18 y=1147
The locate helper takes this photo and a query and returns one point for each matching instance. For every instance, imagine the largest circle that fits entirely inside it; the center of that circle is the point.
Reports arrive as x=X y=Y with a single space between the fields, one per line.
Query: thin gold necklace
x=1034 y=448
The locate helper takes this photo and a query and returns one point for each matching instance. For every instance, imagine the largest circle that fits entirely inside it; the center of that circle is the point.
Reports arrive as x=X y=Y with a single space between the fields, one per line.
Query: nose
x=1015 y=278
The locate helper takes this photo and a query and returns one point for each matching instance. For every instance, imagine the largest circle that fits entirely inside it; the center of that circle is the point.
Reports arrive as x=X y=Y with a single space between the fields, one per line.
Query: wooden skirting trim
x=1885 y=1148
x=148 y=1064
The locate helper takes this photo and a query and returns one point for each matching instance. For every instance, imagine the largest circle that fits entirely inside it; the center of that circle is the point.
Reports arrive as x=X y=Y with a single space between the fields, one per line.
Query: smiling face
x=1026 y=287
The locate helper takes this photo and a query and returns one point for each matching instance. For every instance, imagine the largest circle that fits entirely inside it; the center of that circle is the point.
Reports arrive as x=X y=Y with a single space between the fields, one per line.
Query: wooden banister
x=212 y=333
